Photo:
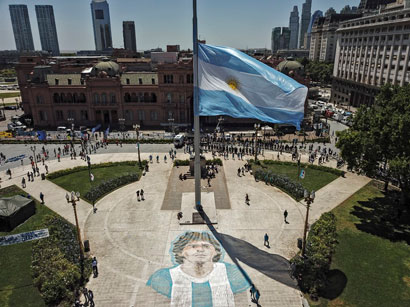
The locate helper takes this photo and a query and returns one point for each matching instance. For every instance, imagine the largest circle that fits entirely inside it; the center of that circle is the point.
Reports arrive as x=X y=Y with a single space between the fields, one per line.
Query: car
x=11 y=107
x=61 y=128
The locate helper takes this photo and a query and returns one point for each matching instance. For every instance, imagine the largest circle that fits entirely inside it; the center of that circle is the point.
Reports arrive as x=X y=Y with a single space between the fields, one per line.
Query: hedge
x=334 y=171
x=107 y=186
x=94 y=166
x=295 y=189
x=215 y=161
x=56 y=265
x=311 y=270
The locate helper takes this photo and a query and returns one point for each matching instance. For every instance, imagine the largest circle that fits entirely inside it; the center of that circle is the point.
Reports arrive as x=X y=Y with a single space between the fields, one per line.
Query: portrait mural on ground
x=199 y=276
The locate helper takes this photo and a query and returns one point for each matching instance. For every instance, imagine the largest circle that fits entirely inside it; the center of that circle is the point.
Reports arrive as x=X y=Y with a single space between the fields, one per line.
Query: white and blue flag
x=235 y=84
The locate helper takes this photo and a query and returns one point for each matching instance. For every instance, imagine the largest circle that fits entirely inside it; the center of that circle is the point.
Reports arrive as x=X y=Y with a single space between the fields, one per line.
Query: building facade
x=280 y=38
x=100 y=14
x=47 y=29
x=128 y=32
x=315 y=16
x=324 y=37
x=294 y=28
x=373 y=4
x=95 y=91
x=304 y=22
x=372 y=51
x=20 y=21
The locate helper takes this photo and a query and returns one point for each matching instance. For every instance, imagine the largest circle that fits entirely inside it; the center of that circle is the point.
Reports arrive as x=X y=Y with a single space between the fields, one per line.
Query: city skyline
x=154 y=28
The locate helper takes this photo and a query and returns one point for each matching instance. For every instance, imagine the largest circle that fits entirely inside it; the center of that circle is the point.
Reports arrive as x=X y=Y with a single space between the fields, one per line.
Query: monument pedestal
x=191 y=216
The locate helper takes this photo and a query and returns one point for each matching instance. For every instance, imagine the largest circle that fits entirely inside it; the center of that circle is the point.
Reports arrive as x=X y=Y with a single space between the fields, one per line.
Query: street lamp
x=171 y=123
x=122 y=126
x=257 y=127
x=33 y=149
x=137 y=130
x=309 y=200
x=71 y=120
x=73 y=199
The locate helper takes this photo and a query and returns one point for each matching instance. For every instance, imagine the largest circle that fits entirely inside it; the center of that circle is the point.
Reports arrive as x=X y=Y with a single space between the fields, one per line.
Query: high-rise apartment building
x=21 y=27
x=128 y=32
x=323 y=36
x=315 y=16
x=372 y=51
x=280 y=38
x=304 y=23
x=100 y=13
x=294 y=28
x=47 y=29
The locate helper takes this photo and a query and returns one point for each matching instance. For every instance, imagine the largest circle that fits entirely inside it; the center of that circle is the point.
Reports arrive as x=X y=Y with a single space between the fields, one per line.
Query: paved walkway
x=131 y=239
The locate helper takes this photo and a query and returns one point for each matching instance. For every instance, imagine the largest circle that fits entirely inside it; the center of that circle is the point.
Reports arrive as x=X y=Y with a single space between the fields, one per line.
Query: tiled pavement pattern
x=131 y=239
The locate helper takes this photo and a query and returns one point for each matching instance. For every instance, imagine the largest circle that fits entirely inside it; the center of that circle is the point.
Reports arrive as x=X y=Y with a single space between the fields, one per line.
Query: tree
x=330 y=11
x=320 y=71
x=379 y=139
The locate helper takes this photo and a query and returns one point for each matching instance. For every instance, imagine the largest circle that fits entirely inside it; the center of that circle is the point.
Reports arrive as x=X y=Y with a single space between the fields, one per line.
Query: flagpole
x=197 y=162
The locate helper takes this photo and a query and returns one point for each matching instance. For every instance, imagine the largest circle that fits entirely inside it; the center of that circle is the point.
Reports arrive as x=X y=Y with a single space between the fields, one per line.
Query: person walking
x=46 y=167
x=94 y=265
x=142 y=194
x=42 y=198
x=138 y=195
x=266 y=241
x=23 y=182
x=247 y=199
x=91 y=298
x=285 y=215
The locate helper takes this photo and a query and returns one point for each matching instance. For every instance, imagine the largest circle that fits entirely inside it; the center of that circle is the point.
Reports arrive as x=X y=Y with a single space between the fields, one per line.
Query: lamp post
x=171 y=123
x=308 y=198
x=73 y=199
x=71 y=120
x=137 y=130
x=33 y=149
x=257 y=127
x=122 y=126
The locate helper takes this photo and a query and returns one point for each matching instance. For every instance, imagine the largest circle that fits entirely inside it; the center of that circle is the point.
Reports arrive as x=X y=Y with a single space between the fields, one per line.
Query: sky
x=235 y=23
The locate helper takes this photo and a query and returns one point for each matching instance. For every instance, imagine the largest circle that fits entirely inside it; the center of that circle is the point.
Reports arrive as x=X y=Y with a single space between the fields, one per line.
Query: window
x=169 y=98
x=96 y=98
x=153 y=81
x=182 y=116
x=128 y=81
x=42 y=115
x=154 y=115
x=170 y=114
x=168 y=79
x=84 y=114
x=56 y=98
x=141 y=114
x=139 y=81
x=71 y=114
x=113 y=98
x=128 y=115
x=69 y=81
x=181 y=98
x=181 y=79
x=59 y=115
x=82 y=81
x=104 y=98
x=153 y=97
x=39 y=99
x=99 y=14
x=190 y=78
x=56 y=81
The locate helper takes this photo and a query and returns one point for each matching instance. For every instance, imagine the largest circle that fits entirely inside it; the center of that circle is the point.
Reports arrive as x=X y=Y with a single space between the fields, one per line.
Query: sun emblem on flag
x=233 y=83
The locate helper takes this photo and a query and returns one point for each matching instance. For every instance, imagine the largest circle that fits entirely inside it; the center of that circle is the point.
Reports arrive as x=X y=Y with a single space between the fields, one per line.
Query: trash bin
x=43 y=176
x=86 y=246
x=300 y=243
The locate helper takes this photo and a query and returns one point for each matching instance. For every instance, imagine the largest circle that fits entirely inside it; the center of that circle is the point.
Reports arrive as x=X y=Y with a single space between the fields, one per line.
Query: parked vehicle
x=179 y=140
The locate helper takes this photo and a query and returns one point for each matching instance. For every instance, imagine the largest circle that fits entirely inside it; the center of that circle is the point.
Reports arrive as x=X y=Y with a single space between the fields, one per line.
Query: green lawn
x=16 y=284
x=314 y=179
x=372 y=253
x=9 y=95
x=79 y=181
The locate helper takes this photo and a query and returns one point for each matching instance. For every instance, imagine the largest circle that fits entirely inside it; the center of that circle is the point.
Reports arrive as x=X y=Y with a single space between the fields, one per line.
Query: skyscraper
x=280 y=38
x=47 y=29
x=128 y=32
x=100 y=13
x=21 y=27
x=294 y=28
x=305 y=20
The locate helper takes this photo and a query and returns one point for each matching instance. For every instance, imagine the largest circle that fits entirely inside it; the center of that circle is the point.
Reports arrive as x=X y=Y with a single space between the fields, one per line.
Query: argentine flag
x=235 y=84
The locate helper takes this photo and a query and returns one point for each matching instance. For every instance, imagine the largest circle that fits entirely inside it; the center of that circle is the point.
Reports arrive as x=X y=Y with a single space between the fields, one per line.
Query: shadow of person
x=273 y=266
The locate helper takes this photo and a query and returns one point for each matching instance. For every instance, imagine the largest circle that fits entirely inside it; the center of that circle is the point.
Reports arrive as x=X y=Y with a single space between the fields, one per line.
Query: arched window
x=82 y=98
x=113 y=98
x=56 y=98
x=75 y=98
x=69 y=97
x=127 y=97
x=134 y=97
x=140 y=97
x=153 y=97
x=62 y=97
x=104 y=98
x=169 y=97
x=146 y=97
x=96 y=98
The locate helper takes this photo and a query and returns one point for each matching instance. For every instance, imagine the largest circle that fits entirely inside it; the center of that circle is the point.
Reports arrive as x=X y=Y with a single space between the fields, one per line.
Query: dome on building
x=109 y=68
x=290 y=65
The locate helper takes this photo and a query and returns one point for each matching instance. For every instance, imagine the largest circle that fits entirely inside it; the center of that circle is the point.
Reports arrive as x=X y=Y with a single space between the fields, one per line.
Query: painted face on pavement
x=199 y=251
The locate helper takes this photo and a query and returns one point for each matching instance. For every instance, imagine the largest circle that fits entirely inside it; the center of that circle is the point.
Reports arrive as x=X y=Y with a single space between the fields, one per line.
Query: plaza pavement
x=131 y=239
